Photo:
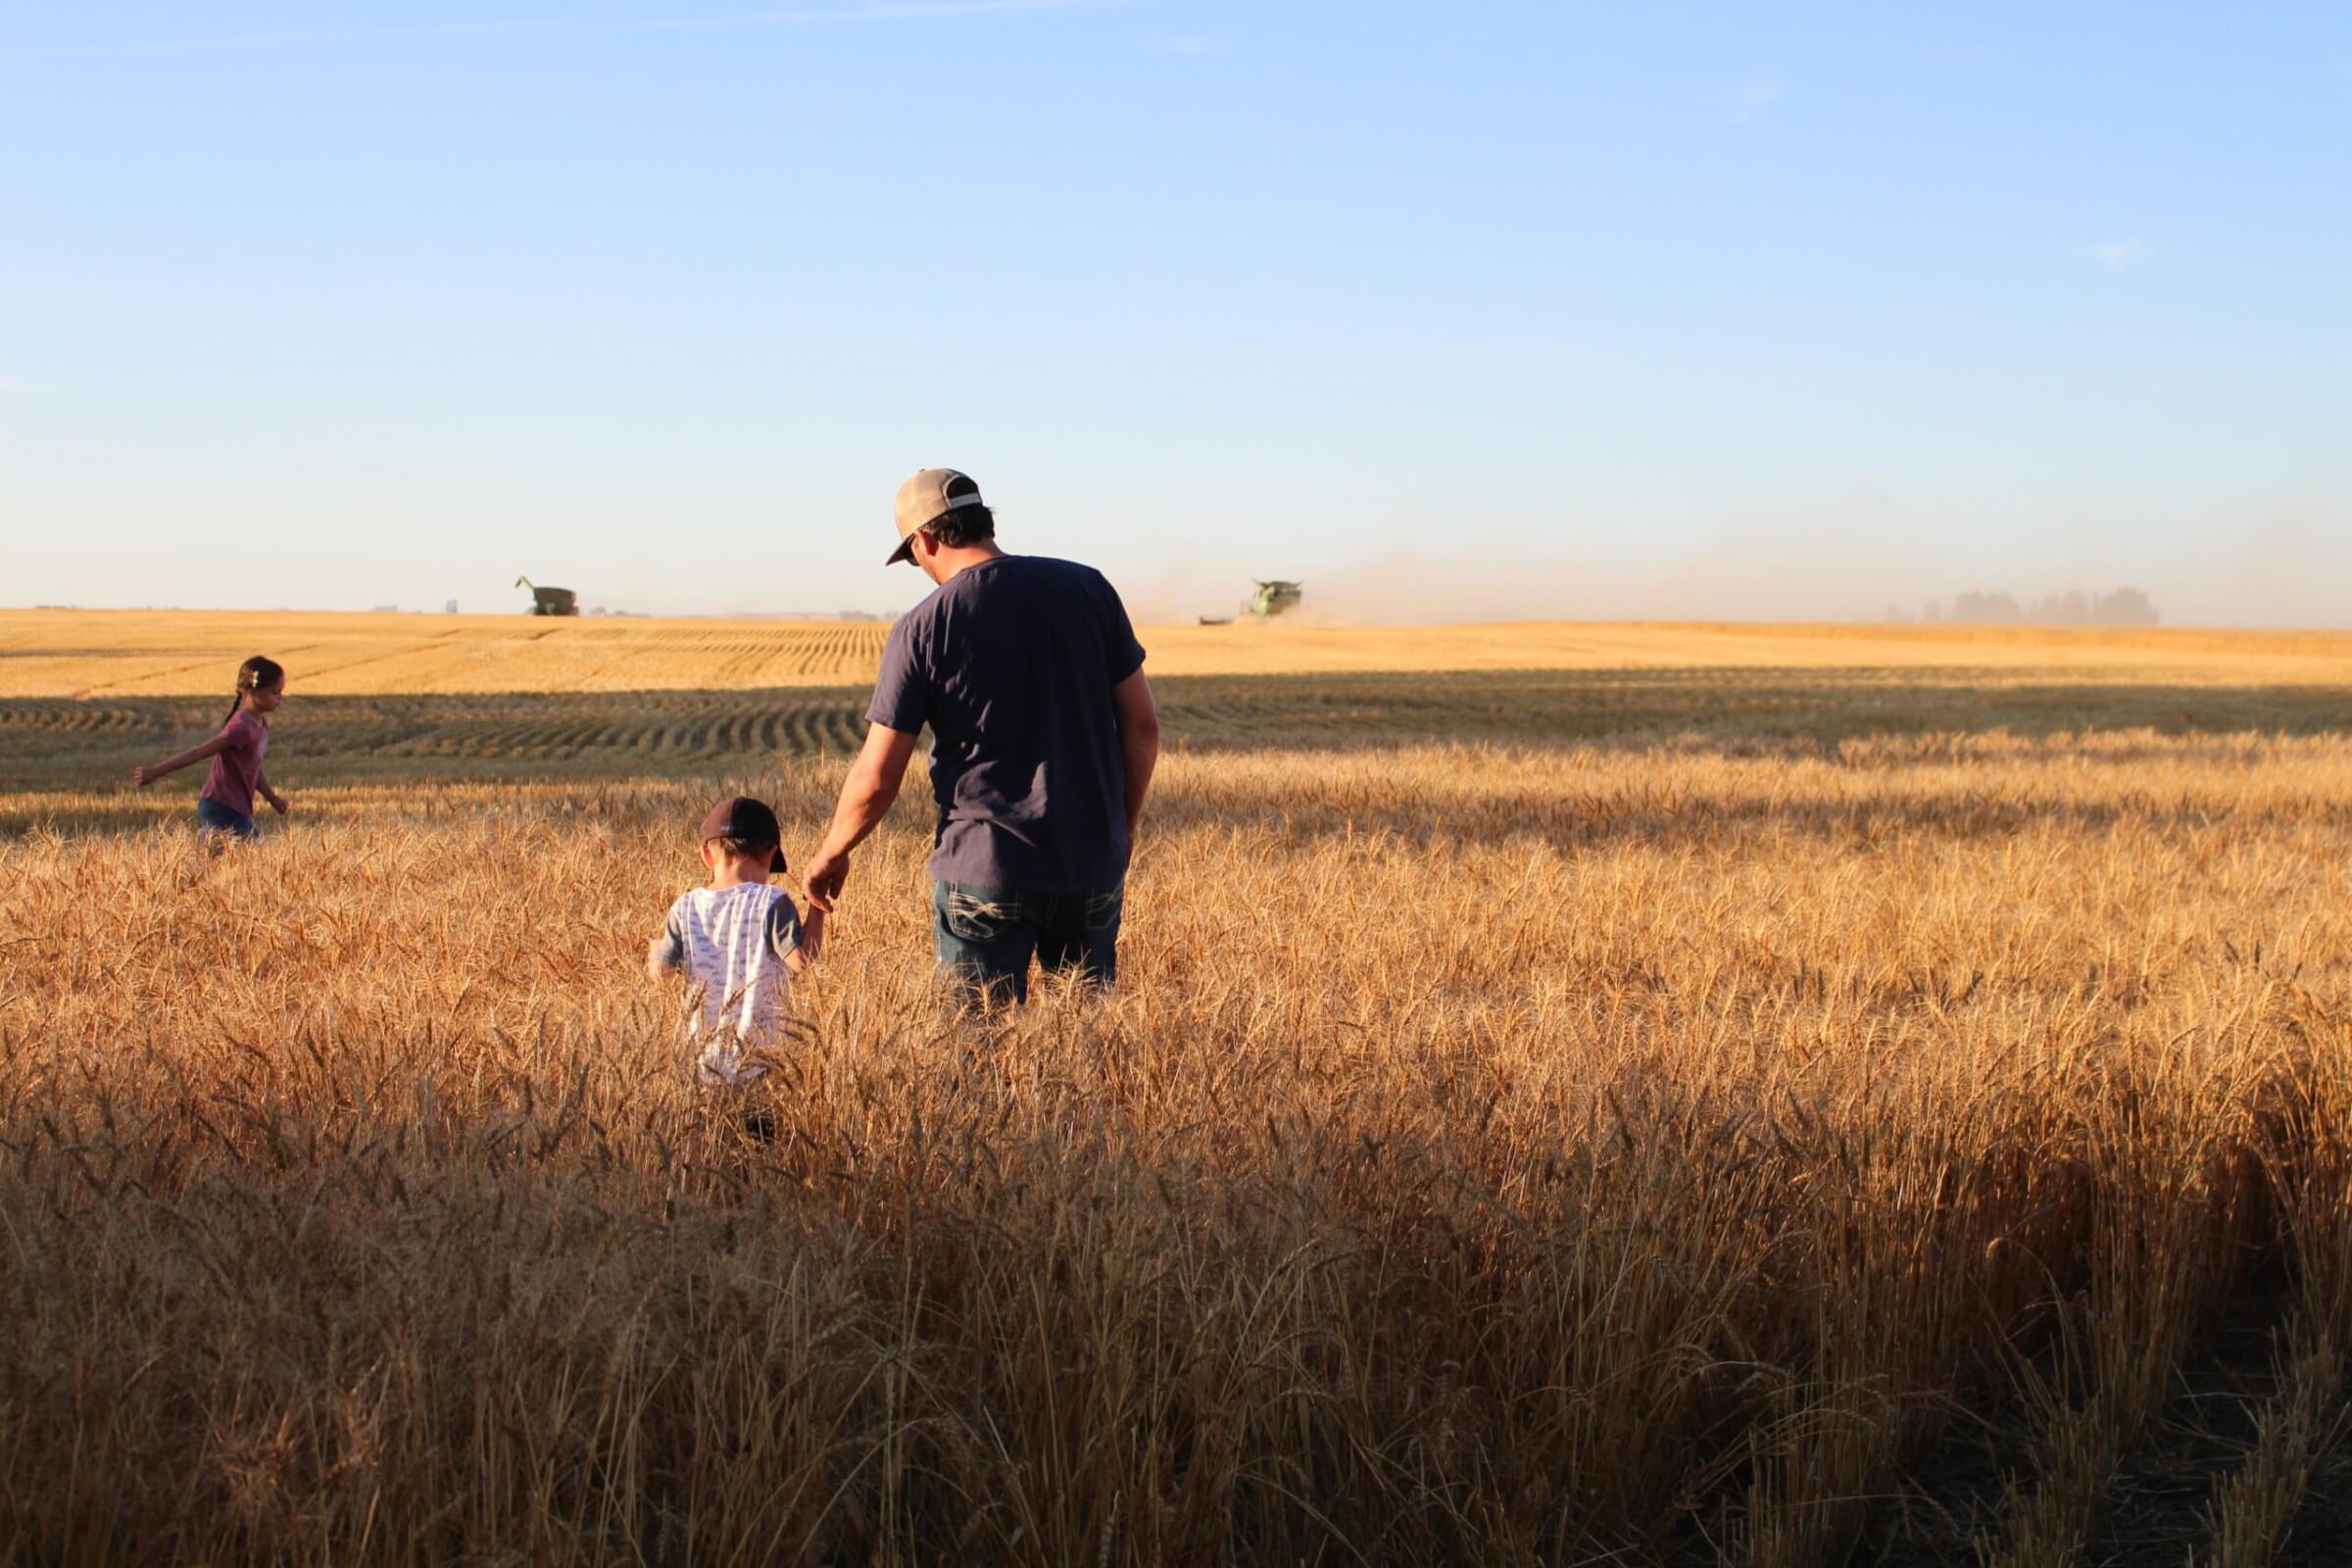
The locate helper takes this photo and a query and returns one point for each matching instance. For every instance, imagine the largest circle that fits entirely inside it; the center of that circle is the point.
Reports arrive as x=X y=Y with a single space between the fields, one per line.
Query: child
x=738 y=941
x=225 y=805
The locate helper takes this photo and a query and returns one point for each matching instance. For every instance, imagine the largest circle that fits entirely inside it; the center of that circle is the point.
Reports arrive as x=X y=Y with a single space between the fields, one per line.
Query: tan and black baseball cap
x=925 y=498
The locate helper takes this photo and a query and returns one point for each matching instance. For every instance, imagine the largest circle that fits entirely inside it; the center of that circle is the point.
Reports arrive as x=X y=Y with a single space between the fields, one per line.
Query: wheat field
x=97 y=655
x=1575 y=1094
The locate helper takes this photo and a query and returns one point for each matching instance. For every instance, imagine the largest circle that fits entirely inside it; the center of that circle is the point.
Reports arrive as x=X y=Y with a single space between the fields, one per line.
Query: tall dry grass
x=1629 y=1154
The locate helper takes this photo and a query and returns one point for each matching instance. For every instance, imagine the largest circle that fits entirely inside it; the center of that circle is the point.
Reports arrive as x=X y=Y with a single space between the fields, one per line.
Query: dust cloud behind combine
x=2287 y=566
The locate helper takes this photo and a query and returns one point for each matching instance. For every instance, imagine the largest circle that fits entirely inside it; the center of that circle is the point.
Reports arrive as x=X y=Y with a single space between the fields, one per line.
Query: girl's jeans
x=218 y=818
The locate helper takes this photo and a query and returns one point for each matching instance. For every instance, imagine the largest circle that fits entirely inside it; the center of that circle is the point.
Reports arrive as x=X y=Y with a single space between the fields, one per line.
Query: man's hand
x=144 y=776
x=822 y=881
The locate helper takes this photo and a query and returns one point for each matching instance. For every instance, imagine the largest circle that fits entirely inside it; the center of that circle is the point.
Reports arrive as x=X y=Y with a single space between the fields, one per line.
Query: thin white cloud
x=2119 y=255
x=571 y=28
x=1753 y=98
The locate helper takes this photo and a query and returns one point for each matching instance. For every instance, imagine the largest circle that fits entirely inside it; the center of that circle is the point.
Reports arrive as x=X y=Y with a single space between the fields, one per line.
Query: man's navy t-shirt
x=1011 y=663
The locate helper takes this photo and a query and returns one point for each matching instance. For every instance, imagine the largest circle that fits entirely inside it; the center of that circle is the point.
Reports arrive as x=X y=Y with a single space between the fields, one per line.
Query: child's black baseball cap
x=747 y=820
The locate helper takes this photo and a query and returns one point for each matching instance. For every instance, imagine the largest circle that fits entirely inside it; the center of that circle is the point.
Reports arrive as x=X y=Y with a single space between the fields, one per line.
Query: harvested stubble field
x=1868 y=1099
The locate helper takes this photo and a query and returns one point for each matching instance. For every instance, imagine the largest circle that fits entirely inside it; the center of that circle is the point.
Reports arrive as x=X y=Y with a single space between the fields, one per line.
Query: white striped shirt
x=732 y=943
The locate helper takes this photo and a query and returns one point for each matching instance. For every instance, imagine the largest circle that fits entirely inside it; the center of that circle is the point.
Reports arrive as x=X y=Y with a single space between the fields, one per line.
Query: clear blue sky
x=1572 y=309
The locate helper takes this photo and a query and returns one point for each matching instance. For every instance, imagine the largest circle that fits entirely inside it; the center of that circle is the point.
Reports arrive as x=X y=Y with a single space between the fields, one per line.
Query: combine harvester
x=549 y=600
x=1272 y=597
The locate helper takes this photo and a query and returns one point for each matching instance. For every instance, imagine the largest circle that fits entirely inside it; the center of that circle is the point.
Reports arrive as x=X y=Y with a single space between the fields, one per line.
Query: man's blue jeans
x=985 y=937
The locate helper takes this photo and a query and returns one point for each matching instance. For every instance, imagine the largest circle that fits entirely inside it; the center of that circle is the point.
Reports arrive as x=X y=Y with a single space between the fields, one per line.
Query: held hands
x=822 y=883
x=812 y=934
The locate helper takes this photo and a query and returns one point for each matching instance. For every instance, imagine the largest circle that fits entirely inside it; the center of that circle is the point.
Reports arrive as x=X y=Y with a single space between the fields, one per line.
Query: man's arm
x=1139 y=738
x=866 y=795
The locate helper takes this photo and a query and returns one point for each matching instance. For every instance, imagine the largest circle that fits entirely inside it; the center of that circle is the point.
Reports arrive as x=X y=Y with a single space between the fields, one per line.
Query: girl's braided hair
x=253 y=676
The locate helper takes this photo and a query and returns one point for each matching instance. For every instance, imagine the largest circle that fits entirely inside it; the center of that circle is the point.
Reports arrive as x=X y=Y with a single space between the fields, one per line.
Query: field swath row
x=51 y=742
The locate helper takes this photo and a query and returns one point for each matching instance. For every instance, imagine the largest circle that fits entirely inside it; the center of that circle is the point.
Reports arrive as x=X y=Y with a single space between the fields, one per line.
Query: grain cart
x=549 y=600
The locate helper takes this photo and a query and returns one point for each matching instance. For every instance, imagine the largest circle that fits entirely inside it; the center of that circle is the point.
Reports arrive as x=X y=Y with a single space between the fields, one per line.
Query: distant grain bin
x=549 y=600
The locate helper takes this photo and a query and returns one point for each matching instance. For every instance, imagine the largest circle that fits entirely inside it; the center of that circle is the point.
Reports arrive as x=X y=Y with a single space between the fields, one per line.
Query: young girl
x=226 y=804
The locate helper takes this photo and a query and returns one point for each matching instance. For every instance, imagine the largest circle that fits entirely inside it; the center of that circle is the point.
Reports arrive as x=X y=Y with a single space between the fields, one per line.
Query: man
x=1043 y=740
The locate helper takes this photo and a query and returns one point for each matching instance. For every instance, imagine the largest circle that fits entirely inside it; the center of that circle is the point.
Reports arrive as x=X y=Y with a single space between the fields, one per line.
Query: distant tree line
x=2125 y=606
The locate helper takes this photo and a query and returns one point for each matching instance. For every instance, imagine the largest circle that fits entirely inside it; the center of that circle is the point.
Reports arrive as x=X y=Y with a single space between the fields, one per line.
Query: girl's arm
x=195 y=753
x=261 y=785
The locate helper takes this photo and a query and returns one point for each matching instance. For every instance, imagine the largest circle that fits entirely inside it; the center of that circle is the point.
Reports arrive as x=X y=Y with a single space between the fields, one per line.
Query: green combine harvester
x=1273 y=598
x=549 y=600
